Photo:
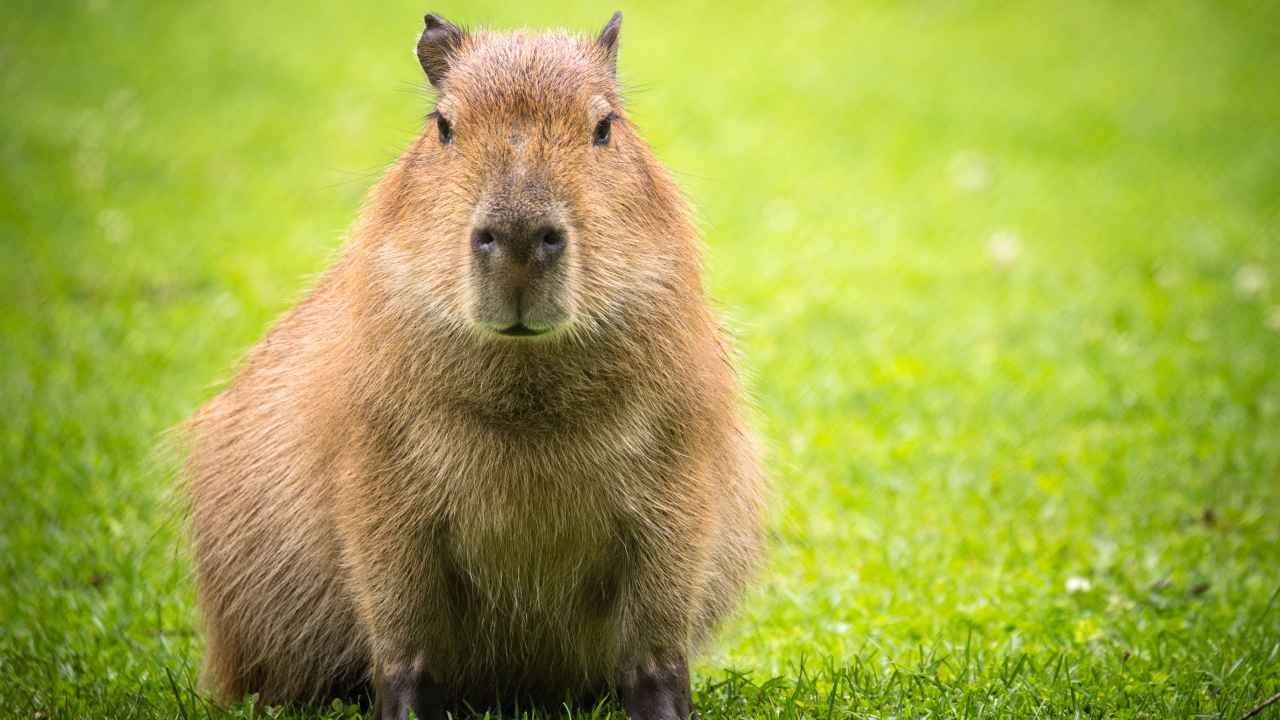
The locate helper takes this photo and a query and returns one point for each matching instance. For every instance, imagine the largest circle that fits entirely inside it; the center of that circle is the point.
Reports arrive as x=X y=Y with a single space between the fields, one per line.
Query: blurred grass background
x=1006 y=277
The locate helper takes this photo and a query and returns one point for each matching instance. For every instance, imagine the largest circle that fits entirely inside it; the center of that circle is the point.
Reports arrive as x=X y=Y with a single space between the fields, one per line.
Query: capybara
x=498 y=451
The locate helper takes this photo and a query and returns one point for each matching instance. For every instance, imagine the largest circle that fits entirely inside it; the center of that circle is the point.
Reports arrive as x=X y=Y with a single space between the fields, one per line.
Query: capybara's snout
x=518 y=274
x=514 y=253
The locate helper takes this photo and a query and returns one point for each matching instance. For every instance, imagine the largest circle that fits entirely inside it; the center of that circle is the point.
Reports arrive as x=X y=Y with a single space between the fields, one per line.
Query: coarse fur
x=388 y=484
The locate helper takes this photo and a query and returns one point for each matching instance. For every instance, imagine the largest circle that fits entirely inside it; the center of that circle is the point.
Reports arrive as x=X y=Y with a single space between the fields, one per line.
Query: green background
x=1006 y=278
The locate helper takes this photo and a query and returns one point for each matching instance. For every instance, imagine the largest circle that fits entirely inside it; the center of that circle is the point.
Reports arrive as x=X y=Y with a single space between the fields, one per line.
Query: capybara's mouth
x=521 y=330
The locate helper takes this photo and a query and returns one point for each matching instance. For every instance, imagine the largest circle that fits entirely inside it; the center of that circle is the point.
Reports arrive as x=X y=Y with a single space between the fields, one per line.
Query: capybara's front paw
x=401 y=687
x=657 y=690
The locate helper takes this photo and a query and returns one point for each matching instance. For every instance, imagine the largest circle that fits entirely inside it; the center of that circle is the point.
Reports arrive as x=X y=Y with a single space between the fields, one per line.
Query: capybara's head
x=529 y=208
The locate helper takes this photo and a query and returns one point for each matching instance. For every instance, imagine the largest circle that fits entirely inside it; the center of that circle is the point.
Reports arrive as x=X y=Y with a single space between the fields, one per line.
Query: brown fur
x=387 y=483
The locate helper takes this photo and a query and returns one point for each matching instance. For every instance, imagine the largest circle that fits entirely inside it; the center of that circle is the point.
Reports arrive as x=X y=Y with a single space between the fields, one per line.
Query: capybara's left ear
x=609 y=39
x=440 y=40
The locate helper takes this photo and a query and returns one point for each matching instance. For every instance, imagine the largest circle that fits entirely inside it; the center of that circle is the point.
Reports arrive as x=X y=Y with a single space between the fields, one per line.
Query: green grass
x=1006 y=278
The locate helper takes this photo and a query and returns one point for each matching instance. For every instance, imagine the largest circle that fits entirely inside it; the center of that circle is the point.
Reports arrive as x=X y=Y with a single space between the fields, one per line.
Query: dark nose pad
x=528 y=247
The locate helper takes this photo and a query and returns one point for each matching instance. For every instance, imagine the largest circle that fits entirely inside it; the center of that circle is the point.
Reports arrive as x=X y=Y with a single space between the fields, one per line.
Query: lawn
x=1005 y=277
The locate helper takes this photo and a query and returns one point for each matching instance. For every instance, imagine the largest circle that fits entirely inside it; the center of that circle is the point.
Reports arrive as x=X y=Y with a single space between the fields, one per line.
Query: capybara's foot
x=404 y=687
x=657 y=690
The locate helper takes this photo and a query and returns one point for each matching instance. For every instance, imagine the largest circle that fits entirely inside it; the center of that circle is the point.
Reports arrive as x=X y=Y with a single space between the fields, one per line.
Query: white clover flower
x=1004 y=247
x=1250 y=279
x=969 y=171
x=1077 y=584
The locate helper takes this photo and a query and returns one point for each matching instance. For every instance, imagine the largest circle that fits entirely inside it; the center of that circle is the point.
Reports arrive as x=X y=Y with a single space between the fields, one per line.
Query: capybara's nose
x=520 y=248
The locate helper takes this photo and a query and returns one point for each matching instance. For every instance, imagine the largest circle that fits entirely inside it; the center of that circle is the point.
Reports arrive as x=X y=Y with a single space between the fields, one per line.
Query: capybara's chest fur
x=533 y=539
x=537 y=532
x=533 y=582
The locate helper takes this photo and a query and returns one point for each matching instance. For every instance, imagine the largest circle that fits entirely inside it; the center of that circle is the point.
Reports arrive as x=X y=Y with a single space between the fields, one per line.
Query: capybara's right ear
x=440 y=40
x=609 y=40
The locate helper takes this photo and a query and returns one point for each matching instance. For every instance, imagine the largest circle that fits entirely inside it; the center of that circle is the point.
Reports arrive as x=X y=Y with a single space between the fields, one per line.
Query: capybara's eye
x=446 y=130
x=601 y=134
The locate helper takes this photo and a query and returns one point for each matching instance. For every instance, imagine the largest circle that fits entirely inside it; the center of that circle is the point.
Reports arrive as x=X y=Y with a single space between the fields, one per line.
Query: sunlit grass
x=1006 y=282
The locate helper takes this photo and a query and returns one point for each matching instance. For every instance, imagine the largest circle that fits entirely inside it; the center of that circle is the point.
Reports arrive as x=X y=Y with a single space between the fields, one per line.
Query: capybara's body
x=497 y=451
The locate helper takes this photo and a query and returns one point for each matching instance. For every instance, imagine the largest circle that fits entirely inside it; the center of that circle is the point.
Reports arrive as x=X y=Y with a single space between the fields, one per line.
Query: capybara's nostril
x=552 y=238
x=551 y=242
x=483 y=241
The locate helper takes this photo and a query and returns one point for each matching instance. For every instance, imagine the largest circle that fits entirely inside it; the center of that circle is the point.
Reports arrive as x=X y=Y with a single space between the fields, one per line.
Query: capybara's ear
x=440 y=40
x=609 y=39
